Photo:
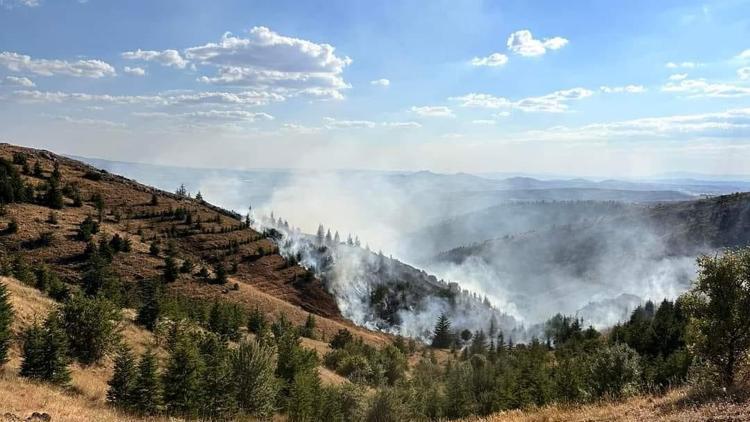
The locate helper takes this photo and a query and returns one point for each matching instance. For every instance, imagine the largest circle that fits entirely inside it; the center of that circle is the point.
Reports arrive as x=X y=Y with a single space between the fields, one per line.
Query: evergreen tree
x=147 y=390
x=182 y=377
x=217 y=388
x=460 y=400
x=442 y=336
x=92 y=327
x=253 y=366
x=308 y=330
x=220 y=274
x=154 y=249
x=151 y=303
x=121 y=392
x=256 y=321
x=45 y=352
x=304 y=397
x=171 y=271
x=6 y=317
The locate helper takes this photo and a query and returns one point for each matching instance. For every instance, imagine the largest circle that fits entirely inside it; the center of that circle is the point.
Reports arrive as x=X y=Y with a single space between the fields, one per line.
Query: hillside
x=604 y=250
x=206 y=235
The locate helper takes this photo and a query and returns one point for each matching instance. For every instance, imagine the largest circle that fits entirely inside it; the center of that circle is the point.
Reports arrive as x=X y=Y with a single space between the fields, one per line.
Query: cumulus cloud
x=210 y=115
x=380 y=82
x=555 y=102
x=268 y=60
x=493 y=60
x=523 y=43
x=745 y=55
x=629 y=89
x=245 y=98
x=482 y=101
x=433 y=111
x=703 y=88
x=79 y=68
x=332 y=123
x=19 y=81
x=678 y=76
x=743 y=73
x=171 y=58
x=105 y=124
x=135 y=71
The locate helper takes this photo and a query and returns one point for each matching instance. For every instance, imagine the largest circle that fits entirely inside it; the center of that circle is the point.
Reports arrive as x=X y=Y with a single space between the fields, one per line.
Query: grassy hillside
x=209 y=237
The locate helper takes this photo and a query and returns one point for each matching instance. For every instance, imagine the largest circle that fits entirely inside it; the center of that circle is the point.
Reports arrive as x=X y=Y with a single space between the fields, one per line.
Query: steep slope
x=206 y=235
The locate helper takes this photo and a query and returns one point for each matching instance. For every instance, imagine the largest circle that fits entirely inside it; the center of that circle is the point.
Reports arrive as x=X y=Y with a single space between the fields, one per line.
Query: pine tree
x=182 y=377
x=460 y=401
x=308 y=330
x=171 y=271
x=304 y=397
x=151 y=303
x=91 y=326
x=253 y=367
x=220 y=274
x=121 y=392
x=147 y=386
x=6 y=317
x=218 y=392
x=442 y=336
x=45 y=352
x=256 y=321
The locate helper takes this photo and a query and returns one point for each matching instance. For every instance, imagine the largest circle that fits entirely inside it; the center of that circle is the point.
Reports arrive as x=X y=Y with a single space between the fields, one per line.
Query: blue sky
x=588 y=87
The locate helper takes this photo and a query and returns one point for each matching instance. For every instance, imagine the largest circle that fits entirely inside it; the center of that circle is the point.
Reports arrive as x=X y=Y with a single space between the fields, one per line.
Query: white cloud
x=493 y=60
x=267 y=60
x=170 y=58
x=484 y=122
x=212 y=115
x=685 y=65
x=678 y=76
x=482 y=101
x=734 y=123
x=331 y=123
x=404 y=125
x=79 y=68
x=524 y=44
x=10 y=4
x=18 y=81
x=703 y=88
x=743 y=73
x=380 y=82
x=629 y=89
x=245 y=98
x=135 y=71
x=433 y=111
x=745 y=55
x=556 y=102
x=106 y=124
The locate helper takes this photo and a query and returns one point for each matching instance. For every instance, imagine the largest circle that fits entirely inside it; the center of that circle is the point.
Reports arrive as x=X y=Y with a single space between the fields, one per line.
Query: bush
x=87 y=229
x=12 y=227
x=614 y=371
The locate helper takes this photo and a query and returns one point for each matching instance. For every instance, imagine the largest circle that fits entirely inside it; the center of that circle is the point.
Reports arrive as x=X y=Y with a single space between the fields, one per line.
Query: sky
x=587 y=88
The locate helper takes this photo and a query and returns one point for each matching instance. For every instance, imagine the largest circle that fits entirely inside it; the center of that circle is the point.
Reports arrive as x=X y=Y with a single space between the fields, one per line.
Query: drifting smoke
x=381 y=293
x=532 y=248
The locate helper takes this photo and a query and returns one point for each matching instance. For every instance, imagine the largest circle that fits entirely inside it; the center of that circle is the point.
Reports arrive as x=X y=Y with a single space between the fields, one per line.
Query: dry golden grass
x=670 y=407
